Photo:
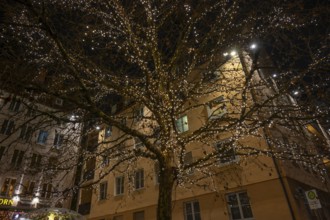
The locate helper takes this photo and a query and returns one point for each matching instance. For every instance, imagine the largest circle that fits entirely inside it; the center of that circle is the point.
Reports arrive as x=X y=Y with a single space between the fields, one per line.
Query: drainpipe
x=282 y=182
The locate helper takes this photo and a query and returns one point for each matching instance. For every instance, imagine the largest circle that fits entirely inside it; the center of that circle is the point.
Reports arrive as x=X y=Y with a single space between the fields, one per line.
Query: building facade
x=244 y=187
x=35 y=169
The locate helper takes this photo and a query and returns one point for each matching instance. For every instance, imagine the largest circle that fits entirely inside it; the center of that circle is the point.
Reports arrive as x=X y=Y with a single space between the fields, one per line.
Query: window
x=107 y=131
x=35 y=160
x=182 y=124
x=14 y=105
x=2 y=151
x=103 y=190
x=30 y=188
x=138 y=215
x=216 y=108
x=139 y=179
x=188 y=159
x=46 y=191
x=138 y=114
x=8 y=187
x=58 y=140
x=42 y=137
x=226 y=152
x=192 y=211
x=7 y=127
x=239 y=206
x=26 y=132
x=119 y=185
x=31 y=111
x=157 y=172
x=52 y=162
x=105 y=160
x=17 y=158
x=137 y=143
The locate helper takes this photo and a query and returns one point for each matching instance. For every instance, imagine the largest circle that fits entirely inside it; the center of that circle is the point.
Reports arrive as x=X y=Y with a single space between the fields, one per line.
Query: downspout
x=249 y=76
x=281 y=181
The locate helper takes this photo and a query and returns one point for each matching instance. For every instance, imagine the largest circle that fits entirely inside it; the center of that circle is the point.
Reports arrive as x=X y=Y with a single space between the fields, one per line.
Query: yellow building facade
x=242 y=187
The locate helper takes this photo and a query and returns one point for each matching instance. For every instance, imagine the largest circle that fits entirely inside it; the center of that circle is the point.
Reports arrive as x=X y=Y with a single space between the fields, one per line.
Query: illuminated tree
x=167 y=56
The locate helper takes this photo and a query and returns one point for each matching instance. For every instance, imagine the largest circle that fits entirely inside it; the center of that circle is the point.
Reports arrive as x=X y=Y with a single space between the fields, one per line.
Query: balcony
x=84 y=208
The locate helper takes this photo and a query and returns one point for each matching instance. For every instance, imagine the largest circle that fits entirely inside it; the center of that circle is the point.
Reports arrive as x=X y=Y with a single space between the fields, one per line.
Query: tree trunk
x=166 y=181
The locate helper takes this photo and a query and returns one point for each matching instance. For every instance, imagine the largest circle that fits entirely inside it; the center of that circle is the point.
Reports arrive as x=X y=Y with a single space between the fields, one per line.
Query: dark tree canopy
x=170 y=57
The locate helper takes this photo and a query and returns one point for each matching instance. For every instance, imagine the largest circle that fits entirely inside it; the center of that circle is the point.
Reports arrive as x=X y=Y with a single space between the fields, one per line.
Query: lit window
x=139 y=179
x=192 y=210
x=216 y=108
x=239 y=206
x=8 y=187
x=58 y=140
x=138 y=215
x=14 y=105
x=42 y=137
x=7 y=127
x=119 y=185
x=26 y=132
x=182 y=124
x=226 y=152
x=103 y=190
x=107 y=131
x=17 y=158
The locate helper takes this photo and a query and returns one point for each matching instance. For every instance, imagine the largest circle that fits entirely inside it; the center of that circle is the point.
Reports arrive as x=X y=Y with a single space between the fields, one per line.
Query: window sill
x=139 y=190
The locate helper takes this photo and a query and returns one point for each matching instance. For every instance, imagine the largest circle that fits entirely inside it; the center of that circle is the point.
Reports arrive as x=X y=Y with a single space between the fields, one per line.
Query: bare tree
x=170 y=58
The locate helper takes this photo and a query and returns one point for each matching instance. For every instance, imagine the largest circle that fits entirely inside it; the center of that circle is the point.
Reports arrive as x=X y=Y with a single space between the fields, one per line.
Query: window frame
x=138 y=114
x=46 y=191
x=26 y=132
x=14 y=105
x=8 y=187
x=2 y=151
x=216 y=108
x=139 y=179
x=136 y=217
x=137 y=143
x=7 y=127
x=42 y=137
x=239 y=205
x=226 y=160
x=17 y=158
x=196 y=215
x=58 y=140
x=187 y=159
x=119 y=185
x=35 y=160
x=182 y=124
x=103 y=190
